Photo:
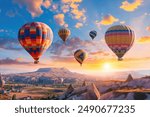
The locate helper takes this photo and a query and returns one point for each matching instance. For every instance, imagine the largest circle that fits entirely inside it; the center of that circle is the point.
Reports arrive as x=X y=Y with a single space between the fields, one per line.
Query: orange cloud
x=19 y=59
x=148 y=28
x=68 y=1
x=131 y=6
x=78 y=25
x=47 y=3
x=65 y=8
x=145 y=39
x=78 y=14
x=59 y=18
x=72 y=6
x=33 y=6
x=107 y=20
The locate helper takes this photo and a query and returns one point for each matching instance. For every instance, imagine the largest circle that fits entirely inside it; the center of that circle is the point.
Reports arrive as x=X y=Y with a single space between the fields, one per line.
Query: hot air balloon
x=80 y=56
x=119 y=39
x=35 y=38
x=93 y=34
x=64 y=33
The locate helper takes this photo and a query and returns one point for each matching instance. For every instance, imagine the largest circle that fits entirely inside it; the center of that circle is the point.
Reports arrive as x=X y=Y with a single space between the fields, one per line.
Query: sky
x=80 y=16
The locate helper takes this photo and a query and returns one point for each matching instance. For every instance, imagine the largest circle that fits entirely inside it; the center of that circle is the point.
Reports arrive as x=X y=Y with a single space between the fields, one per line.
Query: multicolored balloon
x=93 y=34
x=80 y=56
x=35 y=38
x=64 y=33
x=119 y=39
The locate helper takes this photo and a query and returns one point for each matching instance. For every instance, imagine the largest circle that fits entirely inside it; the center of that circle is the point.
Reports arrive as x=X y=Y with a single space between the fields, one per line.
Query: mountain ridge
x=46 y=76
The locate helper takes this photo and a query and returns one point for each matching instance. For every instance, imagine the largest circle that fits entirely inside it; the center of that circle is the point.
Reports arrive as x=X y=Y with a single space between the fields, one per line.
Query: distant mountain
x=46 y=76
x=52 y=70
x=124 y=74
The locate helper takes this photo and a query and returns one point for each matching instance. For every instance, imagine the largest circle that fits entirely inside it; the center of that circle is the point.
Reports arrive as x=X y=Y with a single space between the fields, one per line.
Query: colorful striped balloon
x=64 y=33
x=35 y=38
x=119 y=39
x=80 y=56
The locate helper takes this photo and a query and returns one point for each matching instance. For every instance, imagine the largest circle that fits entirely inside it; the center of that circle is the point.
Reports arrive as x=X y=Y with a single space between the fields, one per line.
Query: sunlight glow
x=107 y=67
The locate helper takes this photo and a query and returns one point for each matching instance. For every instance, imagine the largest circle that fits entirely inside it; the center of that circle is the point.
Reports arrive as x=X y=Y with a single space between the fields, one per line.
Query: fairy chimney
x=84 y=84
x=1 y=81
x=129 y=78
x=93 y=93
x=69 y=89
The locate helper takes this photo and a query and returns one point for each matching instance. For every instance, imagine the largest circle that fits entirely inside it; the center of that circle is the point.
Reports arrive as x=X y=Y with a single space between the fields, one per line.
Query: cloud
x=34 y=6
x=54 y=7
x=131 y=6
x=78 y=14
x=147 y=14
x=19 y=59
x=145 y=39
x=65 y=52
x=65 y=8
x=8 y=61
x=148 y=28
x=3 y=31
x=72 y=6
x=122 y=22
x=138 y=24
x=71 y=1
x=59 y=18
x=107 y=20
x=47 y=3
x=78 y=25
x=59 y=50
x=100 y=53
x=62 y=58
x=9 y=43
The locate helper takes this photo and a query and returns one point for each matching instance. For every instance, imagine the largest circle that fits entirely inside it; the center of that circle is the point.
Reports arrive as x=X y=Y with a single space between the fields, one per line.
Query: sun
x=107 y=67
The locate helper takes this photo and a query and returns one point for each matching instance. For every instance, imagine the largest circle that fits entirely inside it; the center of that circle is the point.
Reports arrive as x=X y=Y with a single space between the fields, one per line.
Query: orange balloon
x=35 y=38
x=64 y=33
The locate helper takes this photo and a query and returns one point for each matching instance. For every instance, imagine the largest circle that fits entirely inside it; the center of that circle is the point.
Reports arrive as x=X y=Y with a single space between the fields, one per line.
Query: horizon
x=102 y=74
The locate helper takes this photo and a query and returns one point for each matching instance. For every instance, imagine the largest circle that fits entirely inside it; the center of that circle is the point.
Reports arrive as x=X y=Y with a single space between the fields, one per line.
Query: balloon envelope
x=80 y=56
x=93 y=34
x=35 y=38
x=119 y=39
x=64 y=33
